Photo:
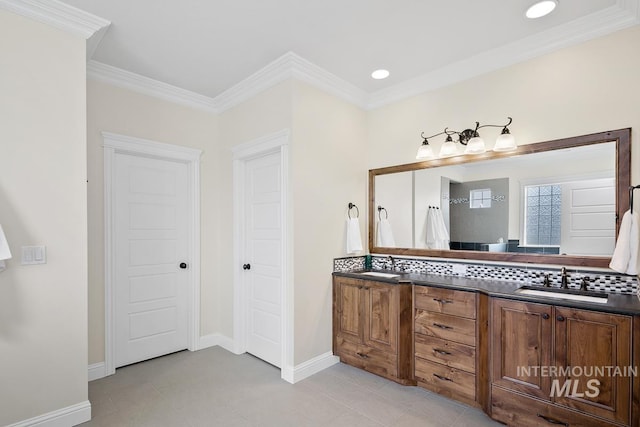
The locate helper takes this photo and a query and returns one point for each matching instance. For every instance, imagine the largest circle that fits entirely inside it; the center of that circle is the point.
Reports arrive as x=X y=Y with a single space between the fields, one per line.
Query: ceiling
x=207 y=46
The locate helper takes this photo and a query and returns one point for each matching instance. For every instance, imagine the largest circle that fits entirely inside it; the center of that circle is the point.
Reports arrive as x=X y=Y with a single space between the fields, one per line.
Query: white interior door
x=588 y=219
x=151 y=241
x=263 y=251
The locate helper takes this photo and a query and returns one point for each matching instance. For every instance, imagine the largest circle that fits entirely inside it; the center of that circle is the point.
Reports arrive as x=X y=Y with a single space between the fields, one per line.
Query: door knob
x=246 y=266
x=183 y=265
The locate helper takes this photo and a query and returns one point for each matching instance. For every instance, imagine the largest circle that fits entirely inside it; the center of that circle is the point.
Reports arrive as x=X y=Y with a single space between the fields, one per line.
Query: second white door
x=263 y=250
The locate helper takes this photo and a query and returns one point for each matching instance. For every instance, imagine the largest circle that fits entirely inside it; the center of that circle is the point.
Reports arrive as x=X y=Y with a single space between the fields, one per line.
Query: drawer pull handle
x=440 y=377
x=362 y=355
x=437 y=350
x=438 y=325
x=443 y=301
x=552 y=421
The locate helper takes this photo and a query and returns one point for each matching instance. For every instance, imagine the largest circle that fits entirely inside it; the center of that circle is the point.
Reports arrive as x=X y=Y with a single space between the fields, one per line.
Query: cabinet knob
x=545 y=316
x=560 y=318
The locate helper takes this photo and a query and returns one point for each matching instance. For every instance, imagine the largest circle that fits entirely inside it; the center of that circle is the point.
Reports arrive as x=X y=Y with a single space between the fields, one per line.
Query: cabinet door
x=521 y=346
x=381 y=316
x=348 y=312
x=594 y=344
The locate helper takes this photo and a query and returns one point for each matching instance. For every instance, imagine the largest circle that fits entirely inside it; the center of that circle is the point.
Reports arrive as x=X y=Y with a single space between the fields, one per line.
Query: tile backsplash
x=601 y=281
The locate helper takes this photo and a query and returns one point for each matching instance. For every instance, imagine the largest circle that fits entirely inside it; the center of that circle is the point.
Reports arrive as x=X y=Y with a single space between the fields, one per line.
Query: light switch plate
x=459 y=269
x=34 y=255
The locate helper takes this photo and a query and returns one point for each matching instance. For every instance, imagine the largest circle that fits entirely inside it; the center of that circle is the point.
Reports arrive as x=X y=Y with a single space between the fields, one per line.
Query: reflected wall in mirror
x=555 y=202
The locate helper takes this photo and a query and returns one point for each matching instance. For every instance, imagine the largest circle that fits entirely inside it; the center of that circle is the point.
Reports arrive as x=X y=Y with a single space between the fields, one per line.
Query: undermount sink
x=559 y=294
x=378 y=274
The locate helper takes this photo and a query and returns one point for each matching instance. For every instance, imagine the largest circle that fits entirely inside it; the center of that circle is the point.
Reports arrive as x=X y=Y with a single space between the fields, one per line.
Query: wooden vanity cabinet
x=372 y=327
x=447 y=354
x=537 y=336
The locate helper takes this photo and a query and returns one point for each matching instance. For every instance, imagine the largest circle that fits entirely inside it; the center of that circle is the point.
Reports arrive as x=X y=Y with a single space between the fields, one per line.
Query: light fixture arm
x=504 y=127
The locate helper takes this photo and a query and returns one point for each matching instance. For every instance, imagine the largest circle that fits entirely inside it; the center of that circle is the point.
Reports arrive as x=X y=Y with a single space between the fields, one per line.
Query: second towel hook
x=386 y=214
x=631 y=189
x=351 y=206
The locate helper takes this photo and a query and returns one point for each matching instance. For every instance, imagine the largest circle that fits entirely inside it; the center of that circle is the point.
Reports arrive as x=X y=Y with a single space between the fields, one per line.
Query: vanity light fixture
x=469 y=138
x=541 y=8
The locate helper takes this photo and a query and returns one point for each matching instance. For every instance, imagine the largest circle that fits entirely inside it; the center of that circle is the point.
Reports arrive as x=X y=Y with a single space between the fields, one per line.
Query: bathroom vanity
x=487 y=344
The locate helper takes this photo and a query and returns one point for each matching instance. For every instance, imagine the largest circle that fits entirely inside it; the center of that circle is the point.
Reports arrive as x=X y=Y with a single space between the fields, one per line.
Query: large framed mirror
x=553 y=202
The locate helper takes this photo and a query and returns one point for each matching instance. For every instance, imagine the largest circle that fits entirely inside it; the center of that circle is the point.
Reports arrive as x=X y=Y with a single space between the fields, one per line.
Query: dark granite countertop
x=616 y=303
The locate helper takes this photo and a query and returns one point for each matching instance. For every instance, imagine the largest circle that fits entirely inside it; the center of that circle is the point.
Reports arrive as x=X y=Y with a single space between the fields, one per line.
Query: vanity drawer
x=447 y=327
x=446 y=381
x=445 y=352
x=368 y=358
x=517 y=410
x=446 y=301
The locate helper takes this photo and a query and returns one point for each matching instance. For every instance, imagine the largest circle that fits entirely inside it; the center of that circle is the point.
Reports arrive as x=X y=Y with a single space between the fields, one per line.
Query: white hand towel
x=354 y=240
x=5 y=253
x=432 y=229
x=384 y=235
x=625 y=256
x=443 y=234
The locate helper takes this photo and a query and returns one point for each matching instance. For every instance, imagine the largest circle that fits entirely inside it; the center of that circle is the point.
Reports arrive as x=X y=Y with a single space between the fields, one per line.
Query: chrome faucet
x=392 y=262
x=564 y=279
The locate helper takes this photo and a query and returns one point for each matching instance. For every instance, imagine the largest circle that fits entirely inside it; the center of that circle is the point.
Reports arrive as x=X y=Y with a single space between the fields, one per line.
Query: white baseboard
x=213 y=340
x=308 y=368
x=65 y=417
x=97 y=371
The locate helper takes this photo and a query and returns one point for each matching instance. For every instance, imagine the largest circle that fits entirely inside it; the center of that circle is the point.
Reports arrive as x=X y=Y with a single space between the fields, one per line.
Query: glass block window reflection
x=480 y=198
x=542 y=215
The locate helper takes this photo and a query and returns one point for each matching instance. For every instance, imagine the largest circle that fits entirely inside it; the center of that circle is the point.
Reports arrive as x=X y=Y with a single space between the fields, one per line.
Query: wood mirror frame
x=621 y=137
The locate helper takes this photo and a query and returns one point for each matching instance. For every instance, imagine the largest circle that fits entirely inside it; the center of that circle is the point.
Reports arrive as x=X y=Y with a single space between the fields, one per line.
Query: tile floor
x=213 y=387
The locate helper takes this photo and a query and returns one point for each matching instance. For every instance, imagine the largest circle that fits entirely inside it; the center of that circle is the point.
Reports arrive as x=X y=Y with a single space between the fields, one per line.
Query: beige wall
x=583 y=89
x=43 y=308
x=328 y=172
x=121 y=111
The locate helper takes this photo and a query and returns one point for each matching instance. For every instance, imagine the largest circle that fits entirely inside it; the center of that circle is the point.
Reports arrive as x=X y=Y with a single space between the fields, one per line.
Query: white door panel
x=263 y=250
x=151 y=240
x=588 y=217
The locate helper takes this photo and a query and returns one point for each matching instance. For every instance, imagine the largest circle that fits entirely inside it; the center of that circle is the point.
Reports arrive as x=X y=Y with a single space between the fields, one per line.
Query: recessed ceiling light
x=380 y=74
x=541 y=8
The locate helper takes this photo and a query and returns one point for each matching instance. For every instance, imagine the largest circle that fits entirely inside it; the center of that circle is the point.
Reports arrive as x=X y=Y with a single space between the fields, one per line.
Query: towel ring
x=631 y=189
x=351 y=206
x=380 y=209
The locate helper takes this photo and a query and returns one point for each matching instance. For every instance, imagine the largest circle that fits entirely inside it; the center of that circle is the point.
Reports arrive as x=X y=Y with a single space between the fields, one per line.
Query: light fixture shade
x=505 y=142
x=475 y=146
x=541 y=8
x=425 y=152
x=448 y=149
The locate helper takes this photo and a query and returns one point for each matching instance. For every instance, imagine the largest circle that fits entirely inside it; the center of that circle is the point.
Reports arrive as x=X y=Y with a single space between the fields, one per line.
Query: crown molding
x=624 y=14
x=290 y=65
x=59 y=15
x=147 y=86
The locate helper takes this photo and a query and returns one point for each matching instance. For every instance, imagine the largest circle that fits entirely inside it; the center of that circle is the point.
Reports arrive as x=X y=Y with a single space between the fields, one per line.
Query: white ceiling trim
x=135 y=82
x=59 y=15
x=290 y=65
x=622 y=15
